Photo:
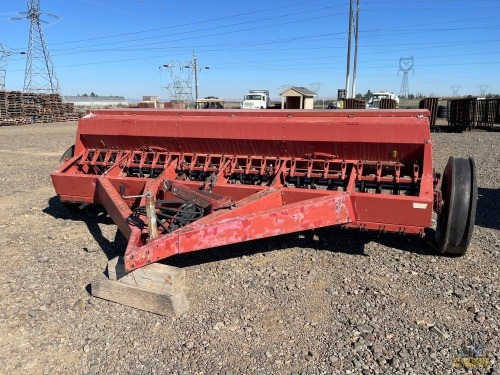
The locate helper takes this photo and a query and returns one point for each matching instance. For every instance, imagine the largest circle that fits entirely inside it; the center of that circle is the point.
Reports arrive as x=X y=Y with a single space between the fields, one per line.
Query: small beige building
x=297 y=98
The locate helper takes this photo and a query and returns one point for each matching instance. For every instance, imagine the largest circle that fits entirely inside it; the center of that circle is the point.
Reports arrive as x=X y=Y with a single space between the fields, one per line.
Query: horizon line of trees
x=93 y=95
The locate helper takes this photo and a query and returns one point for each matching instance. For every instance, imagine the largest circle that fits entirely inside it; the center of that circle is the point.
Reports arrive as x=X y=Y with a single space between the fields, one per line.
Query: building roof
x=101 y=99
x=300 y=90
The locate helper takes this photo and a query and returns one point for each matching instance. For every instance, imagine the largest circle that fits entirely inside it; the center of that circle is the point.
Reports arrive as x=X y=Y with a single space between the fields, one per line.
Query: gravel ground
x=344 y=302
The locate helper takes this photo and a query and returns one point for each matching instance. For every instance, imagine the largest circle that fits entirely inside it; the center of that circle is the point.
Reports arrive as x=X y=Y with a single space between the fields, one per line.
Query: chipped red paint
x=255 y=174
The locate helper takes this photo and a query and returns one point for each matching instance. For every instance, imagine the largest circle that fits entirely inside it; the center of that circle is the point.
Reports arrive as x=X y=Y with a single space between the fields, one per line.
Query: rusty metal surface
x=251 y=174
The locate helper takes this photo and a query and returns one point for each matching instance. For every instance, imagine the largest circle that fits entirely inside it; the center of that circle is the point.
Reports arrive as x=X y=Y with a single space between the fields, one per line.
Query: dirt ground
x=346 y=302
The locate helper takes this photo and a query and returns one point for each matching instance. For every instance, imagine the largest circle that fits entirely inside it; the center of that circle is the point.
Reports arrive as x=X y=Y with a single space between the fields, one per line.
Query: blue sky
x=116 y=47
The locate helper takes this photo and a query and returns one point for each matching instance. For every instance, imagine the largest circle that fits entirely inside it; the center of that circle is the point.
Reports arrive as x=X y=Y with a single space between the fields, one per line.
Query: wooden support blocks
x=157 y=288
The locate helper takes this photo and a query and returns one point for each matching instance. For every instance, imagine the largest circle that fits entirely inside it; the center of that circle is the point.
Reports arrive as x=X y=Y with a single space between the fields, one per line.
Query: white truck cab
x=256 y=99
x=374 y=101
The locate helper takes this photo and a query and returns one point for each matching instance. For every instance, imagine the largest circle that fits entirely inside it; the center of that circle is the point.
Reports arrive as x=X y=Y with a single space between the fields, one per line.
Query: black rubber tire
x=456 y=221
x=68 y=154
x=442 y=111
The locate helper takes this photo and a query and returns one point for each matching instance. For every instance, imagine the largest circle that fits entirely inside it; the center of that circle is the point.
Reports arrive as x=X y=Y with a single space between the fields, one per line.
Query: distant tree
x=85 y=95
x=93 y=94
x=368 y=95
x=359 y=96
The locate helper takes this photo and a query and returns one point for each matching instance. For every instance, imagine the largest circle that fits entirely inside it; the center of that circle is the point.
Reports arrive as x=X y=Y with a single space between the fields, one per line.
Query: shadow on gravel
x=488 y=208
x=333 y=239
x=92 y=216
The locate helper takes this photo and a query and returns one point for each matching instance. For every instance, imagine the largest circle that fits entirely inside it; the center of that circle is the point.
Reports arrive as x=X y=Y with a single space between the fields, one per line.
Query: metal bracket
x=150 y=211
x=122 y=193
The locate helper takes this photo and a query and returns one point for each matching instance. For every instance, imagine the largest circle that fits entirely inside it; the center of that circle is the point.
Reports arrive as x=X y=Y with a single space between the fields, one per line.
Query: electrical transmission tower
x=482 y=90
x=455 y=90
x=39 y=75
x=315 y=87
x=181 y=74
x=4 y=57
x=405 y=65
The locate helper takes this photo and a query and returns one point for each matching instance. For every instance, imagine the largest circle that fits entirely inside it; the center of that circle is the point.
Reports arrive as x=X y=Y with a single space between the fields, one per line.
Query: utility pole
x=195 y=68
x=181 y=86
x=181 y=75
x=195 y=77
x=348 y=51
x=353 y=92
x=455 y=90
x=353 y=28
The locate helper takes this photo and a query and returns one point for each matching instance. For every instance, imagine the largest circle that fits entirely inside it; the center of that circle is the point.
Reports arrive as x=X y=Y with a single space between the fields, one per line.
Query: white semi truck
x=256 y=99
x=374 y=101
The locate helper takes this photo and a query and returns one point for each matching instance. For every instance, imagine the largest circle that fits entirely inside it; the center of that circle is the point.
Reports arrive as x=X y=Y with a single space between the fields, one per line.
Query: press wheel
x=459 y=193
x=68 y=154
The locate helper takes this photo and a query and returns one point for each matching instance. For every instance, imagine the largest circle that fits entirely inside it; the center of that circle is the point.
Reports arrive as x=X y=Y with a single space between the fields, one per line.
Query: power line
x=237 y=24
x=75 y=50
x=266 y=10
x=197 y=37
x=232 y=47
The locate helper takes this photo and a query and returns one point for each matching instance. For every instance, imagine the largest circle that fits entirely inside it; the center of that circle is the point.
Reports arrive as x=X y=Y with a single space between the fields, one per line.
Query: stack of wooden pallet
x=70 y=112
x=54 y=103
x=3 y=106
x=15 y=107
x=32 y=106
x=25 y=108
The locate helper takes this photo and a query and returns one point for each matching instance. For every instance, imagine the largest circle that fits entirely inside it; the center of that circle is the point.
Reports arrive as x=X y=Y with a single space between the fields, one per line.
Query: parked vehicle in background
x=210 y=102
x=374 y=101
x=256 y=99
